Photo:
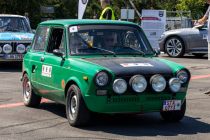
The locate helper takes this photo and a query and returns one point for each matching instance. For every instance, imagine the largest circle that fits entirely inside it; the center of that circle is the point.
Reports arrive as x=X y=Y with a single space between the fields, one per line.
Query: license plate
x=13 y=56
x=171 y=105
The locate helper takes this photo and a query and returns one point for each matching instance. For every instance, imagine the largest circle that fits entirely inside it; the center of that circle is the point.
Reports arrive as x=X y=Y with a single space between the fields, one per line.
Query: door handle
x=42 y=59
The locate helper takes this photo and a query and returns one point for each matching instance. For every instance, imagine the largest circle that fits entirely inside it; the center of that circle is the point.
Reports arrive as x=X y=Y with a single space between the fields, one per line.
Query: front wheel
x=30 y=99
x=76 y=110
x=174 y=47
x=174 y=116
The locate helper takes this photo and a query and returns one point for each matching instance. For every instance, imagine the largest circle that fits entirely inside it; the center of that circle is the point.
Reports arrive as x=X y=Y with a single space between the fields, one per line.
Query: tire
x=174 y=47
x=174 y=116
x=30 y=99
x=198 y=54
x=76 y=110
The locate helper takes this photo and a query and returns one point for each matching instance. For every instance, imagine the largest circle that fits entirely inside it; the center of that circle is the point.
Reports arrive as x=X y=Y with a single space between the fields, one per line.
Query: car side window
x=56 y=40
x=40 y=39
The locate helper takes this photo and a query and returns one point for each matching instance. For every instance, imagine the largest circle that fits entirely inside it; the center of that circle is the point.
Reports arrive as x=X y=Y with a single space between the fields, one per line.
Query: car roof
x=9 y=15
x=68 y=22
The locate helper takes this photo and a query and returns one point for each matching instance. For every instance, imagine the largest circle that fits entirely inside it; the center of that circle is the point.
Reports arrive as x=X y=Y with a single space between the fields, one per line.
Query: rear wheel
x=174 y=116
x=76 y=110
x=29 y=97
x=174 y=47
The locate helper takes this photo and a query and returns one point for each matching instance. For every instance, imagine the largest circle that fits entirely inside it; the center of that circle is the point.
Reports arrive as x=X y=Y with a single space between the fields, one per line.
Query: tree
x=195 y=6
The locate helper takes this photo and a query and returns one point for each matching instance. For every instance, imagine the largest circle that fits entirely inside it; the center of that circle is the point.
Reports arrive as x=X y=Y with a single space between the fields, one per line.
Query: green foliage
x=195 y=6
x=68 y=8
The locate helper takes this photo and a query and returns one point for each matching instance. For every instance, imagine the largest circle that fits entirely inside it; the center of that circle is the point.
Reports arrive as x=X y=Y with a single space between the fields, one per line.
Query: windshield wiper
x=104 y=50
x=136 y=51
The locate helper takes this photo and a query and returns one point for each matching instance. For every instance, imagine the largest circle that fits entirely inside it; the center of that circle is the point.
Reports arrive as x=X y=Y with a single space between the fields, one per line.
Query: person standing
x=202 y=21
x=206 y=16
x=107 y=12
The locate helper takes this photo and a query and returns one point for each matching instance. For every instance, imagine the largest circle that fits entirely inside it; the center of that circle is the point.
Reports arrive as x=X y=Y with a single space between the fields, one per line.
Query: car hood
x=11 y=36
x=133 y=65
x=183 y=30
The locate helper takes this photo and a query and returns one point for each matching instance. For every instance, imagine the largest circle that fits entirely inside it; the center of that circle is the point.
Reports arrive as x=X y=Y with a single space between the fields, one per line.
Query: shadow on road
x=185 y=57
x=10 y=66
x=136 y=125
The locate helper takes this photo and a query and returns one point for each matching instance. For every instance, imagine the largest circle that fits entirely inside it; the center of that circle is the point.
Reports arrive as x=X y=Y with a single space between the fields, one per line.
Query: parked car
x=101 y=66
x=178 y=42
x=15 y=36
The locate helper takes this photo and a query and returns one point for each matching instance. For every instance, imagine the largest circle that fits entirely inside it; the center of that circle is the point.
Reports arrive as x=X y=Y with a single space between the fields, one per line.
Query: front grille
x=14 y=45
x=123 y=99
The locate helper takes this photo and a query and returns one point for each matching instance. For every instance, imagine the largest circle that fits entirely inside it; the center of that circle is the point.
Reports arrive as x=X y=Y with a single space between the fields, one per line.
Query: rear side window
x=40 y=39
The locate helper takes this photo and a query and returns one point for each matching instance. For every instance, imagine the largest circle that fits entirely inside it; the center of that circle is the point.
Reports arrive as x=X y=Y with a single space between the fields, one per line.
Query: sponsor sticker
x=46 y=70
x=136 y=65
x=73 y=29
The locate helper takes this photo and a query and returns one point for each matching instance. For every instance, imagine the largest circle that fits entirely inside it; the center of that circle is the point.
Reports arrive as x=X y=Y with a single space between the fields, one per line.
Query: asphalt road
x=49 y=122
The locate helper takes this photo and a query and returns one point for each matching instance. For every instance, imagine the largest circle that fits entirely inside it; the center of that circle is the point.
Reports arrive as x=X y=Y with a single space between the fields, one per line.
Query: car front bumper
x=130 y=103
x=161 y=45
x=11 y=57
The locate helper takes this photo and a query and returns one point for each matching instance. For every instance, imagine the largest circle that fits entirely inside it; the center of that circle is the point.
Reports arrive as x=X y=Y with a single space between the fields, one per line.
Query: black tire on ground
x=174 y=47
x=30 y=99
x=76 y=111
x=174 y=116
x=198 y=54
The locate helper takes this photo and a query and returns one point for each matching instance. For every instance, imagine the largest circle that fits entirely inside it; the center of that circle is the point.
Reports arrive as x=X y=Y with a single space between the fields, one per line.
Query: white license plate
x=13 y=56
x=171 y=105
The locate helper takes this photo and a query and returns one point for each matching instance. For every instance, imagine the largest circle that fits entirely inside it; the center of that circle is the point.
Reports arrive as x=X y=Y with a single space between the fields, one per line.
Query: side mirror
x=58 y=53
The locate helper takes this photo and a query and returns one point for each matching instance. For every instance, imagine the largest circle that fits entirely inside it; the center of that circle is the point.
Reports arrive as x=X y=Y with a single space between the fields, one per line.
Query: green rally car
x=101 y=66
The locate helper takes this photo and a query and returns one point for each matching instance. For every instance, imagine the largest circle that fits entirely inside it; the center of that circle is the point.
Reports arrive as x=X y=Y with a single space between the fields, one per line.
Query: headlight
x=101 y=78
x=20 y=48
x=138 y=83
x=158 y=83
x=183 y=76
x=7 y=48
x=174 y=84
x=119 y=86
x=0 y=50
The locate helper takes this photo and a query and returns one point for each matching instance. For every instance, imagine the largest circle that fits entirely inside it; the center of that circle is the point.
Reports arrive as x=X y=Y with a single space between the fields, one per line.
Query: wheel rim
x=73 y=106
x=174 y=47
x=27 y=90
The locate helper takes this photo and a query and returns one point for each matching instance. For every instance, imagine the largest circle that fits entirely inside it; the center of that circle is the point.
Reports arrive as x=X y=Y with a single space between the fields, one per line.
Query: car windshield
x=108 y=39
x=14 y=24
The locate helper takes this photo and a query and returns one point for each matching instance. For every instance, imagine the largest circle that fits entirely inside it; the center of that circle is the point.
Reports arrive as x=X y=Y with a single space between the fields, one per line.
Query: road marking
x=11 y=105
x=19 y=104
x=200 y=77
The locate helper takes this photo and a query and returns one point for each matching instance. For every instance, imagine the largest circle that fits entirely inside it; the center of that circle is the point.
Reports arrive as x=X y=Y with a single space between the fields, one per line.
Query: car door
x=198 y=41
x=53 y=67
x=203 y=42
x=37 y=53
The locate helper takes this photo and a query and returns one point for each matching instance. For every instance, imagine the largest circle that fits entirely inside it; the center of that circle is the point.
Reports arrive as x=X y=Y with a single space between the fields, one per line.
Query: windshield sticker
x=136 y=65
x=73 y=29
x=46 y=70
